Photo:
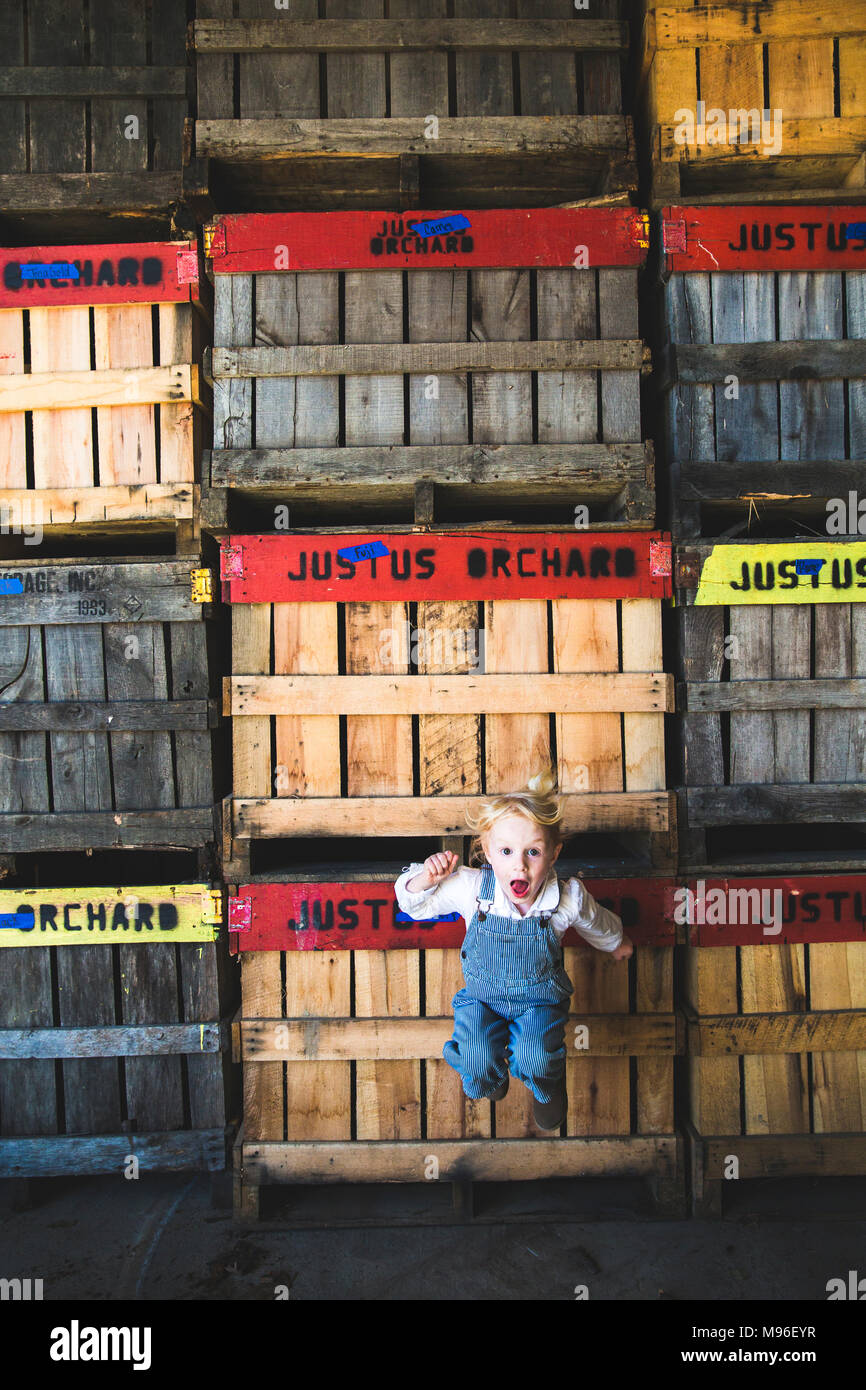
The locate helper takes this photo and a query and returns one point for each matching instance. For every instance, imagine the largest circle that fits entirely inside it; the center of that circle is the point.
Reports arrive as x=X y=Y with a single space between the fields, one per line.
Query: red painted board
x=136 y=272
x=246 y=242
x=827 y=907
x=464 y=565
x=362 y=917
x=764 y=237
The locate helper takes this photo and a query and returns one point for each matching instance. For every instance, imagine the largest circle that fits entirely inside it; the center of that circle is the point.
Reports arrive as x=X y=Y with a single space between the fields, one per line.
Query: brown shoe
x=501 y=1091
x=550 y=1114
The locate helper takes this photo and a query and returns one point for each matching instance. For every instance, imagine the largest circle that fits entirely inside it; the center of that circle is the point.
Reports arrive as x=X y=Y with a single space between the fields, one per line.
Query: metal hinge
x=660 y=559
x=201 y=586
x=231 y=562
x=214 y=239
x=187 y=265
x=212 y=907
x=240 y=914
x=641 y=229
x=687 y=572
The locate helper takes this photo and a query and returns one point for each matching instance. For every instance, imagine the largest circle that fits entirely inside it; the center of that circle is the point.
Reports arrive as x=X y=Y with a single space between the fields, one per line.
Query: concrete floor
x=160 y=1238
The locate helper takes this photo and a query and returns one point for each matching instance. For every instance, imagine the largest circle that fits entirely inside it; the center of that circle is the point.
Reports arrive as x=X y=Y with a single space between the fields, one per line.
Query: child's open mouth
x=520 y=887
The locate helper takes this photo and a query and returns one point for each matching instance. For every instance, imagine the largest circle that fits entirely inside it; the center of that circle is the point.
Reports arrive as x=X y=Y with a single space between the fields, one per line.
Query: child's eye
x=505 y=851
x=535 y=851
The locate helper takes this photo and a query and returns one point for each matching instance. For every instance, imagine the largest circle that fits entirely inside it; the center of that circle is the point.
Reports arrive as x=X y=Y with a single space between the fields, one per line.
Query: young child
x=517 y=992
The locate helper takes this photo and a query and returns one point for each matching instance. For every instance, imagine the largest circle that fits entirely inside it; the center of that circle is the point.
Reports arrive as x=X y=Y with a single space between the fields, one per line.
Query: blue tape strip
x=11 y=585
x=808 y=566
x=446 y=917
x=20 y=921
x=456 y=223
x=856 y=229
x=363 y=552
x=58 y=270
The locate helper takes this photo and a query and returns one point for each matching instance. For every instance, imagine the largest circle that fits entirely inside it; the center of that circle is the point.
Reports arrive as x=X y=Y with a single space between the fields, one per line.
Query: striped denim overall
x=516 y=997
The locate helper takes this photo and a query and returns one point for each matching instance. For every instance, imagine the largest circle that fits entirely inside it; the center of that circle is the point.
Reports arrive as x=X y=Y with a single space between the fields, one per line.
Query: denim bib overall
x=516 y=998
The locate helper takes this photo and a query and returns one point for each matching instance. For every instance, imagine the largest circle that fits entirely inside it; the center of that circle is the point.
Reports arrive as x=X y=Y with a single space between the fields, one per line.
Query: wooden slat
x=831 y=1031
x=483 y=1160
x=13 y=455
x=117 y=1040
x=158 y=591
x=270 y=83
x=71 y=193
x=398 y=358
x=117 y=37
x=180 y=330
x=172 y=1152
x=764 y=361
x=742 y=23
x=774 y=805
x=401 y=35
x=794 y=1155
x=80 y=390
x=188 y=828
x=62 y=442
x=345 y=1039
x=453 y=695
x=802 y=694
x=93 y=82
x=127 y=438
x=85 y=505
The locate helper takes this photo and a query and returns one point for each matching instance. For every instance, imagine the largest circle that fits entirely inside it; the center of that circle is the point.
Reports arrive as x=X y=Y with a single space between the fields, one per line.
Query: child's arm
x=437 y=886
x=596 y=924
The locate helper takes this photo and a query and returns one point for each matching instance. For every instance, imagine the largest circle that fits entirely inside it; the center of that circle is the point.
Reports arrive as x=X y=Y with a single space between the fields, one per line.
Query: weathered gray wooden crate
x=427 y=394
x=336 y=105
x=772 y=706
x=764 y=367
x=105 y=708
x=92 y=107
x=114 y=1031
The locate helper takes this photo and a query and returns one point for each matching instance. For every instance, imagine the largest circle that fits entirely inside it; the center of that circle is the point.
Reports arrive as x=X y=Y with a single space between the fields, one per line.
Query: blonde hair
x=539 y=802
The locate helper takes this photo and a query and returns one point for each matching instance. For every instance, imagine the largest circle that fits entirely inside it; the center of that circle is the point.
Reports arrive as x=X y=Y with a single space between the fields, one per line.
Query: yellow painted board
x=89 y=916
x=737 y=574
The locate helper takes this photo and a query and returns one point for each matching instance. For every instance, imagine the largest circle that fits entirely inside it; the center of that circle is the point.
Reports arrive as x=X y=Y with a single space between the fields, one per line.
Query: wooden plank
x=13 y=435
x=214 y=71
x=795 y=1155
x=500 y=237
x=62 y=441
x=27 y=1087
x=193 y=748
x=745 y=237
x=71 y=916
x=78 y=391
x=795 y=481
x=190 y=828
x=590 y=137
x=172 y=1152
x=418 y=83
x=356 y=83
x=118 y=1040
x=270 y=82
x=801 y=694
x=707 y=25
x=766 y=574
x=343 y=1039
x=398 y=34
x=136 y=272
x=117 y=37
x=442 y=696
x=209 y=988
x=127 y=435
x=179 y=433
x=158 y=591
x=142 y=767
x=80 y=769
x=56 y=37
x=774 y=805
x=13 y=114
x=755 y=361
x=32 y=194
x=833 y=1031
x=484 y=1160
x=233 y=327
x=397 y=358
x=93 y=81
x=602 y=72
x=167 y=37
x=516 y=746
x=85 y=506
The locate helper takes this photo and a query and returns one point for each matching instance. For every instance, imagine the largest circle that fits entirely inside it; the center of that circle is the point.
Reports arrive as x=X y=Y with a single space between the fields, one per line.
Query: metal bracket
x=231 y=562
x=660 y=559
x=240 y=914
x=688 y=569
x=187 y=265
x=214 y=239
x=201 y=586
x=673 y=235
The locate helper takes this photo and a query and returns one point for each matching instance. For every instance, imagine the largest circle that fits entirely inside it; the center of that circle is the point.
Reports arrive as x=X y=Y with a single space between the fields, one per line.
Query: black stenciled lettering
x=144 y=917
x=118 y=918
x=318 y=924
x=476 y=563
x=575 y=565
x=860 y=569
x=451 y=245
x=344 y=564
x=810 y=228
x=836 y=575
x=407 y=565
x=425 y=558
x=151 y=270
x=302 y=573
x=167 y=916
x=837 y=898
x=624 y=562
x=47 y=916
x=67 y=921
x=391 y=246
x=436 y=244
x=375 y=904
x=499 y=562
x=326 y=563
x=784 y=240
x=760 y=582
x=809 y=903
x=12 y=275
x=376 y=245
x=97 y=916
x=127 y=271
x=599 y=562
x=524 y=574
x=746 y=580
x=744 y=239
x=761 y=243
x=106 y=274
x=551 y=561
x=348 y=916
x=787 y=574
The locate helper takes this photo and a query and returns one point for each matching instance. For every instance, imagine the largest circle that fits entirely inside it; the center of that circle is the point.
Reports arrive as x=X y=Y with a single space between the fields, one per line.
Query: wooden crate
x=343 y=1073
x=320 y=659
x=100 y=396
x=773 y=706
x=776 y=1031
x=114 y=1030
x=92 y=108
x=340 y=109
x=810 y=60
x=480 y=375
x=763 y=367
x=105 y=712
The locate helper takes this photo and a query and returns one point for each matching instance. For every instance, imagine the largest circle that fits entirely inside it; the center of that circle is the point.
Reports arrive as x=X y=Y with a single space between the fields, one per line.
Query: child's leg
x=538 y=1049
x=477 y=1049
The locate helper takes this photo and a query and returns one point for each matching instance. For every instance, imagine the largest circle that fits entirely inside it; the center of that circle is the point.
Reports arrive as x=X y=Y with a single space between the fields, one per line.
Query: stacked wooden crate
x=754 y=102
x=492 y=373
x=107 y=719
x=93 y=104
x=763 y=328
x=340 y=107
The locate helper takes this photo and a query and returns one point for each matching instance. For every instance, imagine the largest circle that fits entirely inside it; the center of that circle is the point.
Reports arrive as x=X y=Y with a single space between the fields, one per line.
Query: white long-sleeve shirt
x=569 y=902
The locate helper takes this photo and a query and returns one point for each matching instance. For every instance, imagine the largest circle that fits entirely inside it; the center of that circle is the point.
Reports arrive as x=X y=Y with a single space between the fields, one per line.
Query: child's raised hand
x=440 y=866
x=623 y=950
